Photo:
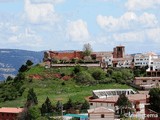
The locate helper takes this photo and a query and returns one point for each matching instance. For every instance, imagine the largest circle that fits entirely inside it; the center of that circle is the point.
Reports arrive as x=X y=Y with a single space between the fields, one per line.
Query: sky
x=69 y=24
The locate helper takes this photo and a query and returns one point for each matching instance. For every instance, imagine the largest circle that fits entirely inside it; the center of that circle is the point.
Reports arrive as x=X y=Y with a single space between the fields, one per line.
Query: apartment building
x=149 y=59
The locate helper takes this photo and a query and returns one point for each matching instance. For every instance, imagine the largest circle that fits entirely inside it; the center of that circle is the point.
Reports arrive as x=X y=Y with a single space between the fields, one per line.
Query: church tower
x=119 y=52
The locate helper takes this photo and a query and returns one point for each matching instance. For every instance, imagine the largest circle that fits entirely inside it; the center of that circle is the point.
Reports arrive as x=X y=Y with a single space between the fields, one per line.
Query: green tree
x=117 y=76
x=87 y=49
x=69 y=104
x=23 y=68
x=29 y=63
x=98 y=74
x=85 y=105
x=34 y=112
x=77 y=69
x=47 y=107
x=59 y=106
x=123 y=103
x=84 y=78
x=9 y=78
x=31 y=98
x=154 y=99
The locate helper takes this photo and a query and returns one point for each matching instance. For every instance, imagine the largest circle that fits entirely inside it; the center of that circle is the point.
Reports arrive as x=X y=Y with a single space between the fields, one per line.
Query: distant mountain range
x=12 y=59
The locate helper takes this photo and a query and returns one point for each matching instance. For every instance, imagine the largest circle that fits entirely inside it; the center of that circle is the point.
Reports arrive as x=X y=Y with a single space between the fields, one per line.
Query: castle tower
x=119 y=52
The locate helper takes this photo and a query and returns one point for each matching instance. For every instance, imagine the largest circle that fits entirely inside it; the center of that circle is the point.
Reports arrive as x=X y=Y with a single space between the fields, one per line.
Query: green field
x=57 y=89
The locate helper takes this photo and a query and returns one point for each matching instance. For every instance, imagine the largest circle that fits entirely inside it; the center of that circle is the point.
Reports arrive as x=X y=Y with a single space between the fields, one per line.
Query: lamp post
x=62 y=110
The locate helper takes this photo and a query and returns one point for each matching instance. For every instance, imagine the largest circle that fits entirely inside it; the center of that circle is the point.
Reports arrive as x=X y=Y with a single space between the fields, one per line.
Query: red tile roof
x=11 y=110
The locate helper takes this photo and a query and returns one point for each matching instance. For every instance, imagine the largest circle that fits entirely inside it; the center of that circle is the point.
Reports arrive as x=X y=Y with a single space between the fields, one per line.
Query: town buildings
x=147 y=82
x=99 y=101
x=115 y=58
x=7 y=113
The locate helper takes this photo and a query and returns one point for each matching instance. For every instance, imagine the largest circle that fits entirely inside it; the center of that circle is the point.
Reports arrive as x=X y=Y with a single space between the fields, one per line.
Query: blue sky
x=68 y=24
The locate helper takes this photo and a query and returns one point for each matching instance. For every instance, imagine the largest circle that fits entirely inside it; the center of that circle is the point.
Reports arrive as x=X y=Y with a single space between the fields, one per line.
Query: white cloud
x=149 y=20
x=142 y=4
x=78 y=31
x=153 y=35
x=107 y=22
x=130 y=36
x=48 y=1
x=40 y=12
x=127 y=21
x=14 y=28
x=28 y=38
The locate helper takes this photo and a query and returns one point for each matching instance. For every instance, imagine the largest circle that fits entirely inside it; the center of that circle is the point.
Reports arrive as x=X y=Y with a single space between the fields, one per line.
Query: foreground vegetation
x=61 y=84
x=67 y=85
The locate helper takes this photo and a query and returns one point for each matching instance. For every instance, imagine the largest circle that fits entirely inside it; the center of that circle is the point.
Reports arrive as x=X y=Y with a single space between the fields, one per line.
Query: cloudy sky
x=68 y=24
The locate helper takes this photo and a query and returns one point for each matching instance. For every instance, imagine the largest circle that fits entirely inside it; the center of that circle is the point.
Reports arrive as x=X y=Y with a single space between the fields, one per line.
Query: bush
x=84 y=78
x=77 y=69
x=98 y=74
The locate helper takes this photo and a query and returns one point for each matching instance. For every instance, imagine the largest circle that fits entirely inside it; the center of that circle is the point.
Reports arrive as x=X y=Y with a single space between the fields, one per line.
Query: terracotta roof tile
x=10 y=110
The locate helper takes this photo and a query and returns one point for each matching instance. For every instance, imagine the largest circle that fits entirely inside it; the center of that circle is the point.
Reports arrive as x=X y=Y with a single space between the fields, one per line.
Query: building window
x=102 y=115
x=91 y=103
x=144 y=80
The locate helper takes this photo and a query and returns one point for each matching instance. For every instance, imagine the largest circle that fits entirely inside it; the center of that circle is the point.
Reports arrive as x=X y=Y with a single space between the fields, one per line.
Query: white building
x=156 y=64
x=147 y=59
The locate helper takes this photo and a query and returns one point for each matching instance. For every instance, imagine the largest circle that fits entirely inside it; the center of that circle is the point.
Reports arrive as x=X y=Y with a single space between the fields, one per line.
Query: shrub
x=98 y=74
x=77 y=69
x=84 y=78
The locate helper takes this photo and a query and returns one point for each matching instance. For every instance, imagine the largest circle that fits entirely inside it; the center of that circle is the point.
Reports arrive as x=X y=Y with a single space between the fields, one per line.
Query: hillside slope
x=57 y=84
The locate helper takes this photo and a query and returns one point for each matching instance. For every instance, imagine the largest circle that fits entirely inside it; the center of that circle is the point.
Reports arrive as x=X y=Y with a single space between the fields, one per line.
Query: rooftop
x=10 y=110
x=113 y=99
x=111 y=92
x=147 y=78
x=100 y=110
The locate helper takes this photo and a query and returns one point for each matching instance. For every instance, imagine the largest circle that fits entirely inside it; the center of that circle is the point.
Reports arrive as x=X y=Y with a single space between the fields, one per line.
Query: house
x=101 y=113
x=7 y=113
x=147 y=82
x=109 y=98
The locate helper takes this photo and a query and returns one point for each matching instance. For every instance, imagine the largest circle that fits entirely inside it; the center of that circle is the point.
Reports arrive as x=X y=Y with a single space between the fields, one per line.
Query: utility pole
x=62 y=110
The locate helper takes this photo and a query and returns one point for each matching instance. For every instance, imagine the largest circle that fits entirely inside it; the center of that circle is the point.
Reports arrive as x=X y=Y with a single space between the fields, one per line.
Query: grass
x=55 y=90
